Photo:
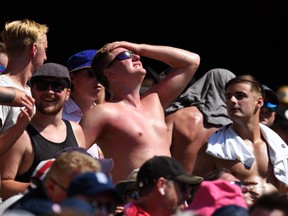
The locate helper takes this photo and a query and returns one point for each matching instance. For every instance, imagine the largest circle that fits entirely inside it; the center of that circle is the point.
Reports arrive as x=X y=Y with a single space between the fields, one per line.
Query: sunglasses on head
x=121 y=56
x=56 y=85
x=270 y=106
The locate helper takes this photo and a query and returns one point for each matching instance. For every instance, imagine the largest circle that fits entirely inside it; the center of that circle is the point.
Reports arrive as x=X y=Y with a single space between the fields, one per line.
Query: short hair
x=100 y=62
x=255 y=84
x=270 y=202
x=216 y=174
x=71 y=163
x=19 y=34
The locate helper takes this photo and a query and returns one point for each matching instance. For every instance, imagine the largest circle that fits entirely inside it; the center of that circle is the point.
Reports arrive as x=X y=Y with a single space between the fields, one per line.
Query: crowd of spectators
x=106 y=135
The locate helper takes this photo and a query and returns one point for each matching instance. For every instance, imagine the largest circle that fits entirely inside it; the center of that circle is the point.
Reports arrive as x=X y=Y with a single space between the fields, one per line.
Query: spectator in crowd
x=163 y=186
x=282 y=93
x=118 y=68
x=280 y=125
x=35 y=181
x=92 y=193
x=3 y=58
x=47 y=133
x=198 y=112
x=128 y=190
x=86 y=91
x=269 y=107
x=225 y=174
x=55 y=183
x=275 y=203
x=252 y=151
x=12 y=96
x=26 y=44
x=212 y=196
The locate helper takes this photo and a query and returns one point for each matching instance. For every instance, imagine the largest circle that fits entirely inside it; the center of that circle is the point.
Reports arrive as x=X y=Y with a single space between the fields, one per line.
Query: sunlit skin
x=129 y=127
x=49 y=123
x=243 y=107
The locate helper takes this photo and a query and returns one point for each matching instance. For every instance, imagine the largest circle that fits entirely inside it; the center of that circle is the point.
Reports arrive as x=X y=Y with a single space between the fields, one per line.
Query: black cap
x=272 y=95
x=167 y=167
x=52 y=70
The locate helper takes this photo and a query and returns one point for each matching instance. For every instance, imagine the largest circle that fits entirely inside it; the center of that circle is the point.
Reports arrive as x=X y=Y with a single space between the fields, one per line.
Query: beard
x=50 y=110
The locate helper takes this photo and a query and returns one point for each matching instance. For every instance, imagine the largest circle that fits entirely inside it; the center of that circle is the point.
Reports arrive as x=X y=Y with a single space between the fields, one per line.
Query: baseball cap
x=282 y=116
x=282 y=93
x=122 y=186
x=167 y=167
x=80 y=60
x=40 y=171
x=52 y=70
x=212 y=195
x=271 y=94
x=92 y=184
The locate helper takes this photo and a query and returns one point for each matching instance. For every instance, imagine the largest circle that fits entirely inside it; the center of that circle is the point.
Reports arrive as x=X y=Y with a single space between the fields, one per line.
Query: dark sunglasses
x=270 y=106
x=121 y=56
x=238 y=183
x=57 y=85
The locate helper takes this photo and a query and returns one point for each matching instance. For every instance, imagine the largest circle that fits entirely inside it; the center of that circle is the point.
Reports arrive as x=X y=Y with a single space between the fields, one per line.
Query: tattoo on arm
x=7 y=97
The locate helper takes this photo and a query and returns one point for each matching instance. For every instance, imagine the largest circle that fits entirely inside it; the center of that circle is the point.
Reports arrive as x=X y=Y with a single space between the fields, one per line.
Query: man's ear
x=260 y=102
x=34 y=49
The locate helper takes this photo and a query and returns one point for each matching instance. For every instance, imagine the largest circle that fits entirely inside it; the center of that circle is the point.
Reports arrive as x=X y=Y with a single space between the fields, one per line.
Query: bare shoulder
x=75 y=126
x=205 y=163
x=16 y=154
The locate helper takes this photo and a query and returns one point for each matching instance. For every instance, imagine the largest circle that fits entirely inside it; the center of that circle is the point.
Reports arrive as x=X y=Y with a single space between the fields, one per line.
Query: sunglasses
x=240 y=184
x=270 y=106
x=56 y=85
x=121 y=56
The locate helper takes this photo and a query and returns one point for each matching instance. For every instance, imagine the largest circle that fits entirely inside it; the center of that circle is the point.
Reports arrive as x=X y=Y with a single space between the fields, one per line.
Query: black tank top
x=45 y=149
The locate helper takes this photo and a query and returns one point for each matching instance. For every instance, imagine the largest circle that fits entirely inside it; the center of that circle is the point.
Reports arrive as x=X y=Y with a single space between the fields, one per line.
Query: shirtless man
x=196 y=114
x=131 y=128
x=253 y=152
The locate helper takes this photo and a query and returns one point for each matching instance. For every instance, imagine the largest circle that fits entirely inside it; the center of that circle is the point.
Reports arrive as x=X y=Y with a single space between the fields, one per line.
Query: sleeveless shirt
x=45 y=149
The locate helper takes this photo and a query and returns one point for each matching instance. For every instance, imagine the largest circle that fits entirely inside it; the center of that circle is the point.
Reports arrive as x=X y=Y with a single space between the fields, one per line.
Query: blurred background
x=241 y=36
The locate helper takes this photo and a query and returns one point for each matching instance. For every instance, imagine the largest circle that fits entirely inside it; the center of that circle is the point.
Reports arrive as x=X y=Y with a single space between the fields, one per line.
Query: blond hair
x=19 y=34
x=70 y=164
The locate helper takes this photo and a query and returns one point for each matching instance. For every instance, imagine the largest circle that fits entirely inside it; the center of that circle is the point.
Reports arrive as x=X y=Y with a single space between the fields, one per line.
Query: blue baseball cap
x=92 y=184
x=80 y=60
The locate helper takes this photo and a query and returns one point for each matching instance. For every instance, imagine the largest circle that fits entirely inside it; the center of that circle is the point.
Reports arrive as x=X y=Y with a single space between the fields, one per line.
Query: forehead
x=116 y=51
x=228 y=177
x=239 y=87
x=41 y=79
